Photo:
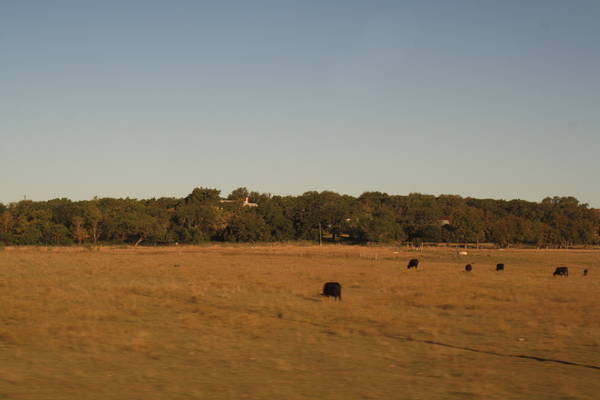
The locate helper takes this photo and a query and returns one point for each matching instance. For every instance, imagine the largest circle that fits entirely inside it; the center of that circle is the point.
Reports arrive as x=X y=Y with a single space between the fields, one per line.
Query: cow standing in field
x=585 y=272
x=414 y=263
x=561 y=271
x=499 y=267
x=332 y=289
x=468 y=267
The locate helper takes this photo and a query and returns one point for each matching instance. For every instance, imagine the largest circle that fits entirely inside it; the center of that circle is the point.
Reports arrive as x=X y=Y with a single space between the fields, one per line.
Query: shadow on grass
x=541 y=359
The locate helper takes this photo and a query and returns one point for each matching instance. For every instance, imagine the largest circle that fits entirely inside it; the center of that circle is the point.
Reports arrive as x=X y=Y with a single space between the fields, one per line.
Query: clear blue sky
x=490 y=99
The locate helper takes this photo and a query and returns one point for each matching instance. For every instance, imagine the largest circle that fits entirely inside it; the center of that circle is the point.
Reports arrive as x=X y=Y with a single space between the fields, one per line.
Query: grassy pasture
x=227 y=322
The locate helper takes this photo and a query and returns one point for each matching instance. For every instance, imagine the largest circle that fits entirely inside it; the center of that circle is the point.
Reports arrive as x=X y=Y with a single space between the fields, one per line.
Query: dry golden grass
x=243 y=322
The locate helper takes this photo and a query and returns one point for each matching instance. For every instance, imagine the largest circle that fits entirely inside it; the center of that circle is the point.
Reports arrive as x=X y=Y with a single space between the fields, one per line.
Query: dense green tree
x=272 y=212
x=203 y=196
x=239 y=194
x=93 y=217
x=376 y=229
x=372 y=217
x=247 y=226
x=197 y=222
x=430 y=233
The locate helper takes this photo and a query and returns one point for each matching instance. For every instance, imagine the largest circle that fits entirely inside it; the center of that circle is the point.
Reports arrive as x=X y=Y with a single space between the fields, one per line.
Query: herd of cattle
x=334 y=289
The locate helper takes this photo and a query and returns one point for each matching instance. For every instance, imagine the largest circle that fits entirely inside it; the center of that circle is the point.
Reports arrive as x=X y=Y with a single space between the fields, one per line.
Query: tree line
x=372 y=217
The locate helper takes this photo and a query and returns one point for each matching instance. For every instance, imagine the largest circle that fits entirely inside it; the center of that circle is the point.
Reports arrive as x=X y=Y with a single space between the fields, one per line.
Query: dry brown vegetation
x=247 y=323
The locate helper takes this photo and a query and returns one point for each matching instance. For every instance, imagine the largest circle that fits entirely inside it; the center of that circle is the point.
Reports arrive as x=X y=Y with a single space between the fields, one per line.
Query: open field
x=247 y=323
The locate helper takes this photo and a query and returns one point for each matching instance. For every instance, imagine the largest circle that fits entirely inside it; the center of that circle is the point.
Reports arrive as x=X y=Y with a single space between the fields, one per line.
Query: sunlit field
x=244 y=322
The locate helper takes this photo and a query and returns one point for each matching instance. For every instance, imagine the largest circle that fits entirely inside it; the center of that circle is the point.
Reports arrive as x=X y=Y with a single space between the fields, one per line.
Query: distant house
x=444 y=221
x=246 y=202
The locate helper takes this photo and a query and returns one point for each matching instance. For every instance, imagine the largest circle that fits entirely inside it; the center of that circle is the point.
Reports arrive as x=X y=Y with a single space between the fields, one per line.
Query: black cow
x=562 y=271
x=468 y=267
x=414 y=263
x=585 y=272
x=499 y=267
x=332 y=289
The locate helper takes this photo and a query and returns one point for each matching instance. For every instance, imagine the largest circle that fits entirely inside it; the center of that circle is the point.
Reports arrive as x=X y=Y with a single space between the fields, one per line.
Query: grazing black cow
x=332 y=289
x=585 y=272
x=499 y=267
x=468 y=267
x=562 y=271
x=414 y=263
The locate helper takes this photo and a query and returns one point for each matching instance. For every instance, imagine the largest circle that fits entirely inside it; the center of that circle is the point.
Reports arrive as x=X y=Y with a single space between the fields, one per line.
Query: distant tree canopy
x=372 y=217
